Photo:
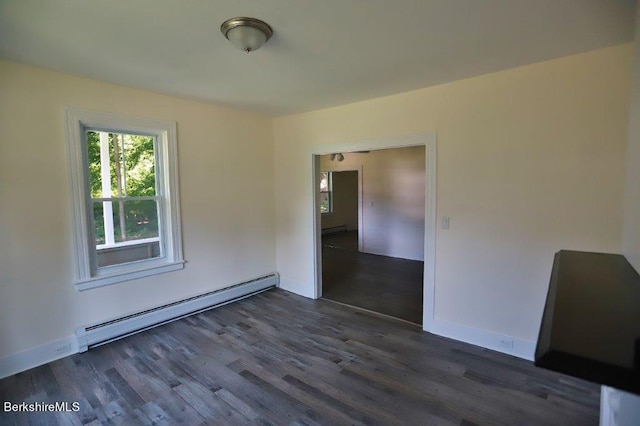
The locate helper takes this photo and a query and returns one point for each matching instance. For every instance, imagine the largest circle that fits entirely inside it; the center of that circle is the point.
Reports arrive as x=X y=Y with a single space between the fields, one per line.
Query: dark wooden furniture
x=591 y=322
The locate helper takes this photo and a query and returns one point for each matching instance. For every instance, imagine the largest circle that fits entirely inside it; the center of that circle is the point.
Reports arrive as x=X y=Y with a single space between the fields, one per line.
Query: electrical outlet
x=63 y=349
x=507 y=343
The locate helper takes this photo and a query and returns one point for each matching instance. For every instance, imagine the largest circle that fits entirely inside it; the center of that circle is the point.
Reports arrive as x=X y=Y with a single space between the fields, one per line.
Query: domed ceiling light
x=247 y=34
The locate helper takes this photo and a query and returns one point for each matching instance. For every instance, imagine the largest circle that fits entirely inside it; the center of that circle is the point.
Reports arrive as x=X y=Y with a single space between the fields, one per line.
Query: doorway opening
x=372 y=230
x=426 y=140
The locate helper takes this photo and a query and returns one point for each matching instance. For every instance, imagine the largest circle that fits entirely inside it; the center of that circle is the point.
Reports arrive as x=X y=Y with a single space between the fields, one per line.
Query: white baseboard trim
x=618 y=408
x=606 y=415
x=486 y=339
x=22 y=361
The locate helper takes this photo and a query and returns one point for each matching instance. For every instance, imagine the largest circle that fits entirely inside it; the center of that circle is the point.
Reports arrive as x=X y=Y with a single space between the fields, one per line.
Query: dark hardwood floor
x=383 y=284
x=347 y=240
x=277 y=358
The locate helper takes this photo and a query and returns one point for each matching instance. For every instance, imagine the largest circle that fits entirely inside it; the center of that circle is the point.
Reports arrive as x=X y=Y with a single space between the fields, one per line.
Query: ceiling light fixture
x=247 y=34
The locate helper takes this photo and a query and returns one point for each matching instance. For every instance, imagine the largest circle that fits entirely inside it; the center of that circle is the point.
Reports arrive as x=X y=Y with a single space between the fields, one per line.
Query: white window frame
x=87 y=274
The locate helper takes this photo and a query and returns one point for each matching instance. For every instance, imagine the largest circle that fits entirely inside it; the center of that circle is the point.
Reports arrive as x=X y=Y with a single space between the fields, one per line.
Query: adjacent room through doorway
x=372 y=224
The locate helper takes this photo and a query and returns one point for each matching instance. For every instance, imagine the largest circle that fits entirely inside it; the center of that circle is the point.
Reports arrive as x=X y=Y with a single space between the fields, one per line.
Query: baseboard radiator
x=118 y=328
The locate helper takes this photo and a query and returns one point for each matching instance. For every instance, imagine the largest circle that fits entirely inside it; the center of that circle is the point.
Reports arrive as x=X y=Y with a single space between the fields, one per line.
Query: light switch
x=444 y=222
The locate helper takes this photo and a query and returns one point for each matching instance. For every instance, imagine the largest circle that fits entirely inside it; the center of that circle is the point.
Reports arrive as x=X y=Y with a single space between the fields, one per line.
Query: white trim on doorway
x=428 y=140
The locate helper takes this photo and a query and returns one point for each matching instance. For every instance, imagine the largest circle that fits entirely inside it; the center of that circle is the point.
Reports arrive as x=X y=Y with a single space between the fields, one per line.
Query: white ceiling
x=323 y=53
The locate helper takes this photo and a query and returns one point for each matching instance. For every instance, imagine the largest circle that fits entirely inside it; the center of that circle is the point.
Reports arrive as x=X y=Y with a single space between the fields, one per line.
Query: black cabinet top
x=591 y=322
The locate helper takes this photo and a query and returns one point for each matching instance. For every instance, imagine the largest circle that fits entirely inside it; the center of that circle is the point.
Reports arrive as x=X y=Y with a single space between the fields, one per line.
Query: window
x=125 y=197
x=326 y=190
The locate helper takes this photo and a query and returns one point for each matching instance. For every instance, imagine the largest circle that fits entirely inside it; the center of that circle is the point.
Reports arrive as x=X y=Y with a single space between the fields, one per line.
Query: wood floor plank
x=123 y=388
x=67 y=419
x=438 y=384
x=277 y=358
x=209 y=405
x=142 y=380
x=336 y=411
x=180 y=412
x=237 y=404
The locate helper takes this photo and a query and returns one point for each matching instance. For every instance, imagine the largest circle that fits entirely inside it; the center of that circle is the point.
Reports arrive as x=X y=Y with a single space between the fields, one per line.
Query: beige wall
x=632 y=189
x=393 y=199
x=226 y=191
x=530 y=161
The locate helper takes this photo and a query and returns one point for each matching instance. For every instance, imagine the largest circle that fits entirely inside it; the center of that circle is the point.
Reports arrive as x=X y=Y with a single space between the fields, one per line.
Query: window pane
x=95 y=170
x=325 y=192
x=325 y=205
x=98 y=218
x=130 y=220
x=140 y=221
x=121 y=165
x=139 y=162
x=124 y=224
x=324 y=182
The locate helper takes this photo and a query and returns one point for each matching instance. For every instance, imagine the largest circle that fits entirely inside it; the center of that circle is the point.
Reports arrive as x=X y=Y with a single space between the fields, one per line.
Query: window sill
x=114 y=278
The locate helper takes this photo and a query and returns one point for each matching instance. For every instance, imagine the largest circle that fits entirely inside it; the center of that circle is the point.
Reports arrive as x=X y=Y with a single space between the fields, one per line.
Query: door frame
x=428 y=140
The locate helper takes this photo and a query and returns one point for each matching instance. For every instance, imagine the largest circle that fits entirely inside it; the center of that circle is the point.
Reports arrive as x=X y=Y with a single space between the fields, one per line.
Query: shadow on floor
x=382 y=284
